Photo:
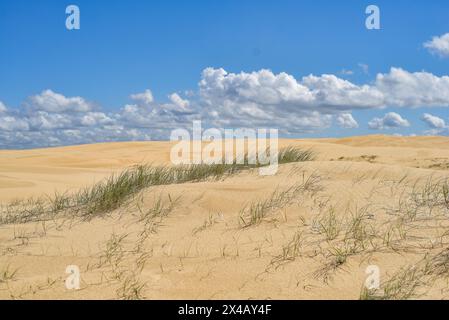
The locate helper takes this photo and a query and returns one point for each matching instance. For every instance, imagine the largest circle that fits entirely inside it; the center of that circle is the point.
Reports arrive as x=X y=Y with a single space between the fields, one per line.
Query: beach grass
x=115 y=191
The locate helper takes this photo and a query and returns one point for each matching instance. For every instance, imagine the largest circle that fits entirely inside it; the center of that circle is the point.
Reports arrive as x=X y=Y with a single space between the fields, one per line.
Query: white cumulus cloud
x=3 y=108
x=401 y=88
x=145 y=97
x=433 y=121
x=52 y=119
x=388 y=121
x=347 y=121
x=178 y=101
x=54 y=102
x=439 y=45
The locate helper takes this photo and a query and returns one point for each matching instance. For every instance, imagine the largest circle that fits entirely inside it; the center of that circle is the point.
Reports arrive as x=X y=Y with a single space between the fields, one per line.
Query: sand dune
x=27 y=173
x=307 y=245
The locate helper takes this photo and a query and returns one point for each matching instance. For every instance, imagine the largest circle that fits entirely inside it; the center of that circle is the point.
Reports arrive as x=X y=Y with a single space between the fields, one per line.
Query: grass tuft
x=256 y=211
x=6 y=274
x=402 y=286
x=117 y=190
x=292 y=154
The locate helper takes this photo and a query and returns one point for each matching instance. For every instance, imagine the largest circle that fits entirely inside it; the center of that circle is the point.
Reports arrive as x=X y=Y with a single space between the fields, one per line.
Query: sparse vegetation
x=329 y=225
x=402 y=286
x=292 y=154
x=327 y=236
x=290 y=251
x=7 y=274
x=131 y=288
x=256 y=211
x=209 y=222
x=114 y=250
x=417 y=223
x=117 y=190
x=152 y=217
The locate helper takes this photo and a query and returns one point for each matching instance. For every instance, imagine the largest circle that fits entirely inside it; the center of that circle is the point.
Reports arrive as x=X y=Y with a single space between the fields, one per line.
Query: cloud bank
x=223 y=99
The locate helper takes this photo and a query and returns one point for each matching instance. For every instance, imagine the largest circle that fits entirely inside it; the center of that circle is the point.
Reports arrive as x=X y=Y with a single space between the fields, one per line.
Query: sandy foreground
x=363 y=203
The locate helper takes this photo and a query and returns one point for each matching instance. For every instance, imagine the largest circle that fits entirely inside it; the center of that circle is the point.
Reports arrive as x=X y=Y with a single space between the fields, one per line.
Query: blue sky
x=127 y=47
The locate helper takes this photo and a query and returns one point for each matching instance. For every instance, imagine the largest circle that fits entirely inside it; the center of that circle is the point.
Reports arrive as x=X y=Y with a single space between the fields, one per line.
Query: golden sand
x=199 y=249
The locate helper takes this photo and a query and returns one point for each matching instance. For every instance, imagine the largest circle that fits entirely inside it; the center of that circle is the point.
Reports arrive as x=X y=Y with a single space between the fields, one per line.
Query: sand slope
x=199 y=249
